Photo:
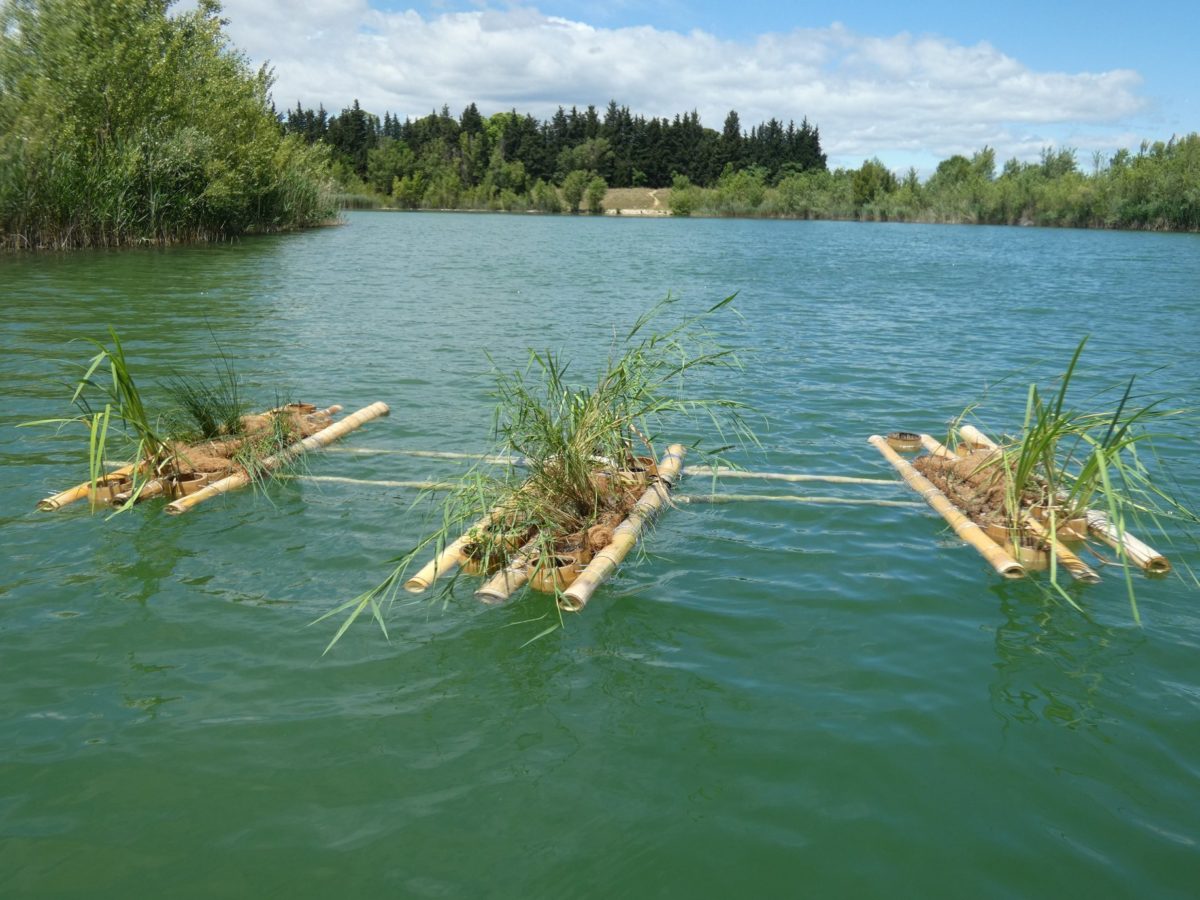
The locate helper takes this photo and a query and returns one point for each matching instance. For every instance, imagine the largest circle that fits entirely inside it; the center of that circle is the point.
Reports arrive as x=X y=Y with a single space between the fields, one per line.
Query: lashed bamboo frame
x=966 y=529
x=625 y=535
x=312 y=442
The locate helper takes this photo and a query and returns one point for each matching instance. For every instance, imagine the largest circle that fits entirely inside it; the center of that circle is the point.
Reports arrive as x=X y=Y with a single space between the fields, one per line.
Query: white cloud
x=901 y=97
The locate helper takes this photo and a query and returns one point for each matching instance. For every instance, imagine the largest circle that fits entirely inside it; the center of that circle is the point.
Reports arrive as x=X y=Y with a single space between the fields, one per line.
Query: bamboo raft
x=583 y=584
x=204 y=488
x=1050 y=543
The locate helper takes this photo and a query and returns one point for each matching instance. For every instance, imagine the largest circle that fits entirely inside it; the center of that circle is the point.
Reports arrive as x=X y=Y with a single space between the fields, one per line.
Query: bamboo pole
x=1079 y=570
x=975 y=436
x=625 y=535
x=679 y=498
x=80 y=491
x=936 y=447
x=966 y=529
x=312 y=442
x=451 y=555
x=509 y=579
x=791 y=498
x=724 y=472
x=340 y=479
x=1142 y=555
x=436 y=454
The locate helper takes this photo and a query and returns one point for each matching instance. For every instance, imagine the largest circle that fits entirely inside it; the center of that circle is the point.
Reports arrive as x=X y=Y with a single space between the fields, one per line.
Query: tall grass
x=207 y=408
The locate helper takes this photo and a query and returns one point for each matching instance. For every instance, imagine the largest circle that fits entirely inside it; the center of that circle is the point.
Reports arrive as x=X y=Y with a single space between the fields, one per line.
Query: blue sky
x=908 y=83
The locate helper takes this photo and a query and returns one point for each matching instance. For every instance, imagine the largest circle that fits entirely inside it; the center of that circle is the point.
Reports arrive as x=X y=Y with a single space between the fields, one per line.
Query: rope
x=685 y=498
x=719 y=472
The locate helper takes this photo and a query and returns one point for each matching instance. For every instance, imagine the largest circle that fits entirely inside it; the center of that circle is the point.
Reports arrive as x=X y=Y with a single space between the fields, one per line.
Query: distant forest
x=511 y=158
x=512 y=161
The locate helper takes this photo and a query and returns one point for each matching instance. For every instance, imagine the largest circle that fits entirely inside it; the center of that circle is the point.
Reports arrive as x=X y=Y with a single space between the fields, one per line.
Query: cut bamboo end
x=973 y=435
x=80 y=491
x=1079 y=570
x=312 y=442
x=510 y=579
x=967 y=530
x=625 y=535
x=1139 y=553
x=442 y=563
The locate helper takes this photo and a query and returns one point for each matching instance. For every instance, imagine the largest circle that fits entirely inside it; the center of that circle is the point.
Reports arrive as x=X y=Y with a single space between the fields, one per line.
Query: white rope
x=686 y=498
x=720 y=471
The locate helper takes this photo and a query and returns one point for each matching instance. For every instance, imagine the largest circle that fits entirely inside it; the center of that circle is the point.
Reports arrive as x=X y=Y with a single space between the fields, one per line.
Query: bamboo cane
x=58 y=501
x=451 y=555
x=625 y=535
x=966 y=529
x=1079 y=570
x=312 y=442
x=936 y=447
x=975 y=436
x=341 y=479
x=791 y=498
x=509 y=579
x=1142 y=555
x=724 y=472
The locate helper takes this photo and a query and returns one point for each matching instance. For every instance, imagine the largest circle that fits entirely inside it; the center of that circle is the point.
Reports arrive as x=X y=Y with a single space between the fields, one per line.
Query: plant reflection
x=1053 y=664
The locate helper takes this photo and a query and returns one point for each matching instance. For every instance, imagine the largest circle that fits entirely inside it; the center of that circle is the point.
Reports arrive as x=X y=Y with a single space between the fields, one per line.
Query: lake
x=777 y=700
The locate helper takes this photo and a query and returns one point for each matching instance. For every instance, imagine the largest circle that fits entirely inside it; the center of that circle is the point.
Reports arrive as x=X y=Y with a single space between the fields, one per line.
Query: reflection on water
x=1052 y=661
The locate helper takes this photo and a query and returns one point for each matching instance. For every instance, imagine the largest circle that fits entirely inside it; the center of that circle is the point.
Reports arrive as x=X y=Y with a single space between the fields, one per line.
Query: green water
x=781 y=700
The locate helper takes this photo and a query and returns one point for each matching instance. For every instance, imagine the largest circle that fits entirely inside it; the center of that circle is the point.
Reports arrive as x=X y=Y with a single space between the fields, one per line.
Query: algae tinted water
x=781 y=699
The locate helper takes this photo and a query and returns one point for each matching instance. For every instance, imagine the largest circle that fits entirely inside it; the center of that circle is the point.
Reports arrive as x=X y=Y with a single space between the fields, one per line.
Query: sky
x=908 y=83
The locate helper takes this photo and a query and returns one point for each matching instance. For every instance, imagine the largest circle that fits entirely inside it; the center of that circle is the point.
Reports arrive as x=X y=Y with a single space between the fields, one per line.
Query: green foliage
x=573 y=188
x=872 y=182
x=545 y=198
x=683 y=196
x=206 y=408
x=122 y=124
x=1158 y=188
x=511 y=151
x=594 y=195
x=122 y=413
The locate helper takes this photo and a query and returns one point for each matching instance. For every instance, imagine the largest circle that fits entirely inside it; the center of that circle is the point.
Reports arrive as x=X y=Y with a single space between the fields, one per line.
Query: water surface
x=781 y=700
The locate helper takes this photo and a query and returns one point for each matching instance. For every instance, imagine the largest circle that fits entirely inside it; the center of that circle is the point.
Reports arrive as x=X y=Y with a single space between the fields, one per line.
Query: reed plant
x=571 y=440
x=112 y=409
x=1065 y=461
x=207 y=408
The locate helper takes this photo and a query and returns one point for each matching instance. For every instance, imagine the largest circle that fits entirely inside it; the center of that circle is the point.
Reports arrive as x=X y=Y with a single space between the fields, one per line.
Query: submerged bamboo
x=80 y=491
x=312 y=442
x=625 y=535
x=1079 y=570
x=967 y=530
x=1142 y=555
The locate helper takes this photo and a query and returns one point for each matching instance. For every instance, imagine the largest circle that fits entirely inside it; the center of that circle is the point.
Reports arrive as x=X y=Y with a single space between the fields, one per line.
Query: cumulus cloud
x=898 y=97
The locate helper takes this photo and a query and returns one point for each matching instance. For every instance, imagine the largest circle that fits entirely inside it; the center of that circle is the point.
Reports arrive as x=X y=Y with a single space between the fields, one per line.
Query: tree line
x=513 y=160
x=1157 y=188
